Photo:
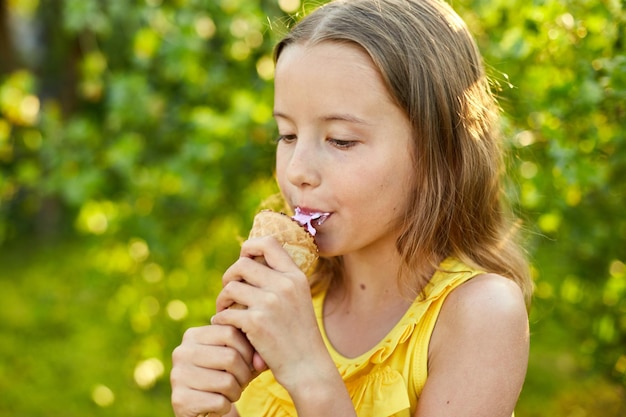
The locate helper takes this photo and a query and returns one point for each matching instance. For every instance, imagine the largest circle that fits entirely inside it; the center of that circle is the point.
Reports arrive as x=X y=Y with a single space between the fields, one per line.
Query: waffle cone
x=298 y=243
x=294 y=238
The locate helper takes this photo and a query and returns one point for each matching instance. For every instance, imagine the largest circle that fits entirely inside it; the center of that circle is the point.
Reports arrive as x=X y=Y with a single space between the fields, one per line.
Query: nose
x=301 y=163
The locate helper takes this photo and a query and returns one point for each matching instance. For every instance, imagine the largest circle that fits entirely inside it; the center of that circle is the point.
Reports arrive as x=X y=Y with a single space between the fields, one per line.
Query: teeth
x=320 y=218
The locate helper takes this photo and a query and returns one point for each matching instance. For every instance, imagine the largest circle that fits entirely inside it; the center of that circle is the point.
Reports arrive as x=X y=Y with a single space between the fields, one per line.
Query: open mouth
x=310 y=219
x=319 y=218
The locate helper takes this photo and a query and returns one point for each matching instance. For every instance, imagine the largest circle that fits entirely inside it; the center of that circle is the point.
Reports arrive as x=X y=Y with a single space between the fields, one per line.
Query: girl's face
x=344 y=146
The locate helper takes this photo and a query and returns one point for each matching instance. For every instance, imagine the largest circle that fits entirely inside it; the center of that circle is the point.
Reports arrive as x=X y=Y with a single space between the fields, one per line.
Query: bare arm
x=479 y=351
x=280 y=323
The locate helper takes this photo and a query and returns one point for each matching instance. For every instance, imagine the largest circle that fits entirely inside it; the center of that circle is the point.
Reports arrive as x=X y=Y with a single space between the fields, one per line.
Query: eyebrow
x=341 y=117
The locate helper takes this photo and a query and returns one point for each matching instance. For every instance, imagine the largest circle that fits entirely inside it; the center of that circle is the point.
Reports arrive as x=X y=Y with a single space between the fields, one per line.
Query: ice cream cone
x=294 y=238
x=298 y=243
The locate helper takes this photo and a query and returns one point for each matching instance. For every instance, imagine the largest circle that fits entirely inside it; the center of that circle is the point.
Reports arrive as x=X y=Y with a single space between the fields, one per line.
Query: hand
x=279 y=320
x=211 y=367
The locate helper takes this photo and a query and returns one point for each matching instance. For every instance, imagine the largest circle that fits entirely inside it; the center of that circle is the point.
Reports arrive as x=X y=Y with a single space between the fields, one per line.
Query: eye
x=286 y=138
x=342 y=144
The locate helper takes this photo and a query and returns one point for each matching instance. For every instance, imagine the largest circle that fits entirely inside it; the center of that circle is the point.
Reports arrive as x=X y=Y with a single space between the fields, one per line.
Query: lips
x=310 y=219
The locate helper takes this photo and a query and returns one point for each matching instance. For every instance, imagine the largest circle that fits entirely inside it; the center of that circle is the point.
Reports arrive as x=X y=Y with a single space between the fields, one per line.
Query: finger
x=210 y=369
x=243 y=268
x=226 y=359
x=239 y=293
x=258 y=363
x=275 y=256
x=248 y=320
x=190 y=403
x=259 y=275
x=214 y=335
x=209 y=381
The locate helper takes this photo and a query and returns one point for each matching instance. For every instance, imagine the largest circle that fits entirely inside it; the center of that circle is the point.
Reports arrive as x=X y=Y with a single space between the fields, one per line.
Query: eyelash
x=286 y=138
x=341 y=144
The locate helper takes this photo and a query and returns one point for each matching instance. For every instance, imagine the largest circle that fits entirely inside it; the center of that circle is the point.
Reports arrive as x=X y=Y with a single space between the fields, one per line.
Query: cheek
x=375 y=187
x=397 y=186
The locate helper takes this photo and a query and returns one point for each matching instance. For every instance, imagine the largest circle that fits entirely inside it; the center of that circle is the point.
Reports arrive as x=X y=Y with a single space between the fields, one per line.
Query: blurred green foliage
x=136 y=144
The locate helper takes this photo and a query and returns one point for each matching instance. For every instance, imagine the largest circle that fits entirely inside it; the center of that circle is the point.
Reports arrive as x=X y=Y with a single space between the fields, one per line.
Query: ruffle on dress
x=451 y=274
x=380 y=393
x=274 y=401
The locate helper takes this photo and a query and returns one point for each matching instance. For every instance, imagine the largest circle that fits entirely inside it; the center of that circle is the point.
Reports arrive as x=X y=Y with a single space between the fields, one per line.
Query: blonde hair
x=434 y=71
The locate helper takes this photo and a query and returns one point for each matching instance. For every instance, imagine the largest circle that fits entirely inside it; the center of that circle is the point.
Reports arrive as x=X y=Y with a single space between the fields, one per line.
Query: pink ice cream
x=309 y=220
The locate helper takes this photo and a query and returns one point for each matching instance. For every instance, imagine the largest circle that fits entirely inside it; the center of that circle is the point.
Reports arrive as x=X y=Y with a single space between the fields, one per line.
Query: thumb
x=258 y=363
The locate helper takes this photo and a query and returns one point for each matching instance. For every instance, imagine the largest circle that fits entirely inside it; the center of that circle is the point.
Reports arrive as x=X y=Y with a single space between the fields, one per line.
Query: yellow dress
x=388 y=379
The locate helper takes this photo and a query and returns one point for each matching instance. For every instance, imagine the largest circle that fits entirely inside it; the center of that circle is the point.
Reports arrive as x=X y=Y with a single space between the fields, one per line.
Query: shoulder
x=488 y=303
x=484 y=316
x=489 y=291
x=482 y=336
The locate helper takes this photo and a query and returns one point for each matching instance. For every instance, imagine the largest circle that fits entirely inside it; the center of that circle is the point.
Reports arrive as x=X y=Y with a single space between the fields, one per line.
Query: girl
x=418 y=304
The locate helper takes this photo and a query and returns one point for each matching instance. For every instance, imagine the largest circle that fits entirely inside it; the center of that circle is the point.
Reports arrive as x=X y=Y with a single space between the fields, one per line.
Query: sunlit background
x=136 y=143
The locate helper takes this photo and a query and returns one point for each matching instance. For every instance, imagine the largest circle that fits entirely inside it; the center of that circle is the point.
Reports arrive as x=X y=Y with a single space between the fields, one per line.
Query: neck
x=369 y=280
x=361 y=308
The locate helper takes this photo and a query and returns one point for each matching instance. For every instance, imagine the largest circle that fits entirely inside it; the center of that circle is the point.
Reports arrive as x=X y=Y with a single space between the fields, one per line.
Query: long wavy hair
x=433 y=70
